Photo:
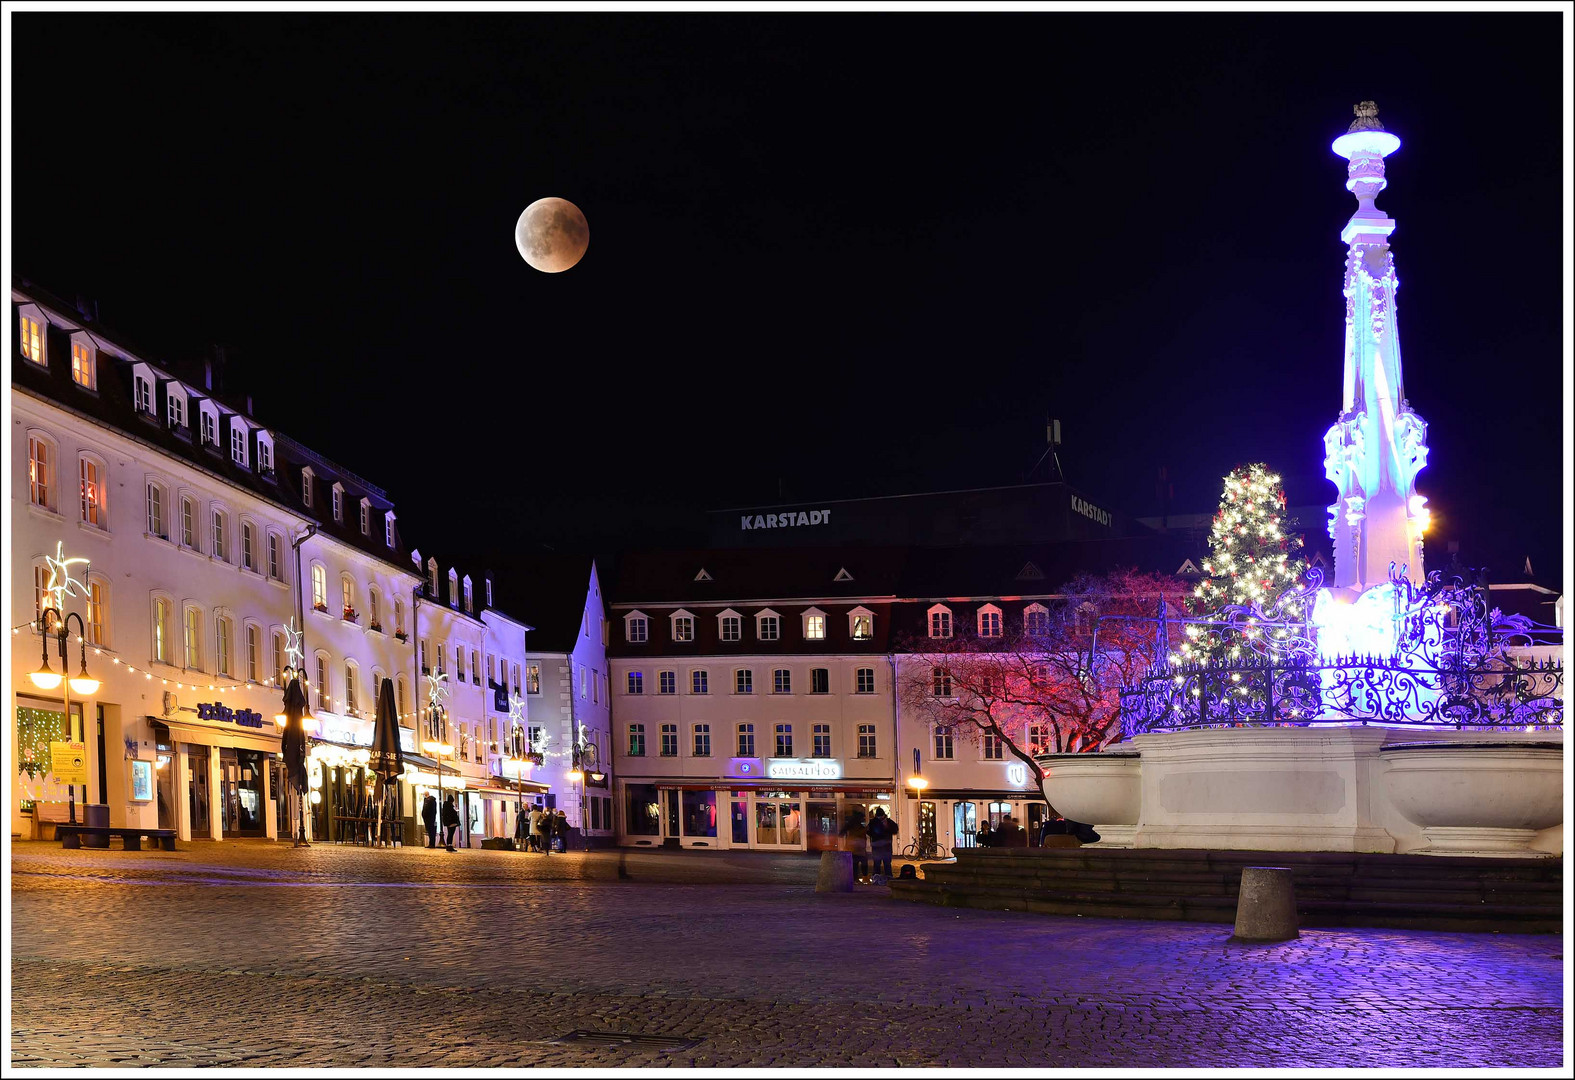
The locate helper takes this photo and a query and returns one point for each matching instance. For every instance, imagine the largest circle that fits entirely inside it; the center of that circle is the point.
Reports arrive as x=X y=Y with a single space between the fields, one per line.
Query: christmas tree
x=1252 y=562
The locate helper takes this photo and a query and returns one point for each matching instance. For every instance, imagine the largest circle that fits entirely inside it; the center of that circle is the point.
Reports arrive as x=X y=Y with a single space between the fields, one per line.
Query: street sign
x=68 y=762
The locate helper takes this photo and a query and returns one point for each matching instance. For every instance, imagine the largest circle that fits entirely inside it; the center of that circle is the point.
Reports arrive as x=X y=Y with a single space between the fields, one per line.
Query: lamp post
x=46 y=678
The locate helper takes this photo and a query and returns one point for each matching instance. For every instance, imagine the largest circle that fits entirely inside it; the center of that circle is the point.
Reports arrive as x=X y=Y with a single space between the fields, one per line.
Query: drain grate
x=626 y=1040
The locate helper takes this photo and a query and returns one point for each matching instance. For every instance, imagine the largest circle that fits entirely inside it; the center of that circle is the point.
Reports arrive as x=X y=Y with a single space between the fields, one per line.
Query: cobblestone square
x=253 y=954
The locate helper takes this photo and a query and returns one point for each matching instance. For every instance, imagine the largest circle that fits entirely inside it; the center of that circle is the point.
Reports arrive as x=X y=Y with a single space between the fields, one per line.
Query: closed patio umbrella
x=388 y=756
x=293 y=747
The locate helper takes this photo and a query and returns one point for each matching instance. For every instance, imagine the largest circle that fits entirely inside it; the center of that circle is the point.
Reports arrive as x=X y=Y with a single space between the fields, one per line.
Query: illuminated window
x=92 y=493
x=746 y=740
x=861 y=625
x=683 y=627
x=32 y=340
x=98 y=610
x=222 y=646
x=784 y=740
x=371 y=606
x=399 y=695
x=667 y=682
x=699 y=682
x=188 y=523
x=940 y=622
x=636 y=682
x=253 y=652
x=39 y=476
x=990 y=621
x=867 y=740
x=470 y=604
x=533 y=679
x=161 y=630
x=702 y=740
x=636 y=740
x=193 y=639
x=319 y=587
x=669 y=740
x=943 y=744
x=156 y=512
x=820 y=680
x=814 y=625
x=238 y=444
x=175 y=409
x=782 y=681
x=83 y=370
x=1038 y=738
x=820 y=740
x=744 y=681
x=864 y=681
x=347 y=596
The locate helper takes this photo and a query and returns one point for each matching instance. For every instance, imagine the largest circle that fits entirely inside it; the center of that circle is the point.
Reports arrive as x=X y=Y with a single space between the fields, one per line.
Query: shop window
x=643 y=815
x=699 y=810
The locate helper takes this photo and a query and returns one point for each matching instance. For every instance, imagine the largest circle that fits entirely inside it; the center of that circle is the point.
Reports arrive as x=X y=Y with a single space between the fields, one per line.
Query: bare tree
x=1052 y=684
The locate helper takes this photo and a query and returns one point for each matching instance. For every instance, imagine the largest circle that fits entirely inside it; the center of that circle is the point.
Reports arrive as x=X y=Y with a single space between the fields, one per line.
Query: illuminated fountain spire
x=1378 y=445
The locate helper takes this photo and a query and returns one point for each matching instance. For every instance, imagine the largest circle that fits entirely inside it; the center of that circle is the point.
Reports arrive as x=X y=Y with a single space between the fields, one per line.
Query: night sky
x=831 y=255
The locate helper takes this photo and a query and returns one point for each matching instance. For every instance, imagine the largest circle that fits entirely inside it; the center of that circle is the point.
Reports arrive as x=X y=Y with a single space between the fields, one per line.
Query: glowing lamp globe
x=45 y=679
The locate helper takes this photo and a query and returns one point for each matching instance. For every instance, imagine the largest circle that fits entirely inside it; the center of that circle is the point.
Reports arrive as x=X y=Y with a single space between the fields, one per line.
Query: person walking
x=560 y=830
x=856 y=838
x=881 y=830
x=429 y=816
x=541 y=830
x=450 y=823
x=533 y=829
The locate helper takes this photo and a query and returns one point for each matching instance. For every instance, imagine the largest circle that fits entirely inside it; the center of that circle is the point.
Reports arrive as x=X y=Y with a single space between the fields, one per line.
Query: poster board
x=68 y=762
x=141 y=781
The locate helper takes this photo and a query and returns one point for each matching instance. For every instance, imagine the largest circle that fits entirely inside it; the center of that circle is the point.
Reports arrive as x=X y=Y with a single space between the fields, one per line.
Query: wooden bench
x=71 y=835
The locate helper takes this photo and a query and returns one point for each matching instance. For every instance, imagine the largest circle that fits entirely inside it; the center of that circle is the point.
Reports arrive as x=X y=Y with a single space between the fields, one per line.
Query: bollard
x=1265 y=905
x=836 y=872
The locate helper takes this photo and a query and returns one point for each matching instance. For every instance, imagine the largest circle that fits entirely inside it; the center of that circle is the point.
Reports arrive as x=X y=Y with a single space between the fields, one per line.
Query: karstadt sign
x=785 y=519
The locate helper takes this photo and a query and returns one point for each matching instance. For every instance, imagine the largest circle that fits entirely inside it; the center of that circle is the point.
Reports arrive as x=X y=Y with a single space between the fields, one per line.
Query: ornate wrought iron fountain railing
x=1455 y=662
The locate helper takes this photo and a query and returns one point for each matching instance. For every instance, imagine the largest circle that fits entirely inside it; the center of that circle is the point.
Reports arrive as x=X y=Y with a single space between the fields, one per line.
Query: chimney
x=249 y=410
x=207 y=374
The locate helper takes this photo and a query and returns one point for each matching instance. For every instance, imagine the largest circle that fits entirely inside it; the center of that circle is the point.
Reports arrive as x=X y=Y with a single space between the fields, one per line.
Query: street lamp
x=46 y=678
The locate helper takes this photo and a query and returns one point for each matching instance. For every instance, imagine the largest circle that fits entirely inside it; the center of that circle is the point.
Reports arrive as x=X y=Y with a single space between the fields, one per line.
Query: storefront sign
x=804 y=769
x=1017 y=773
x=1090 y=511
x=787 y=519
x=226 y=715
x=68 y=762
x=343 y=733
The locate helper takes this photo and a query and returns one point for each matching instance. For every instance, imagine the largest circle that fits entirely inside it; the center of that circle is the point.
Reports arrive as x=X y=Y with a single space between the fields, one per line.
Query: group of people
x=1011 y=834
x=541 y=830
x=873 y=837
x=429 y=818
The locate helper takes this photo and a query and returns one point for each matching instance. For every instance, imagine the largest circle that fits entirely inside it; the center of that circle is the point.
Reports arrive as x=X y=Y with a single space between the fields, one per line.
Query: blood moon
x=552 y=235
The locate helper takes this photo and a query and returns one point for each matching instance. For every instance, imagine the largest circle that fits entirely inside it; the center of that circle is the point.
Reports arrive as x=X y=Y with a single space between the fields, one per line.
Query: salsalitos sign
x=784 y=519
x=225 y=715
x=803 y=769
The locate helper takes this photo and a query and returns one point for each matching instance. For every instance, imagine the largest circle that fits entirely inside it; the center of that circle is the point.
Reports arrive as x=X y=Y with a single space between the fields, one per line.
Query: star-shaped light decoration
x=61 y=584
x=294 y=655
x=437 y=688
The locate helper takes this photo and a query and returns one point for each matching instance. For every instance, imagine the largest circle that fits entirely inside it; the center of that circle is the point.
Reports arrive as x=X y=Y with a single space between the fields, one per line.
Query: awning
x=527 y=787
x=838 y=787
x=229 y=735
x=426 y=764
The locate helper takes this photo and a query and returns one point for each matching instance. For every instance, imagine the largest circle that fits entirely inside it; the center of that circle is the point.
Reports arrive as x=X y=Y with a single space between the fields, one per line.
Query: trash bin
x=96 y=815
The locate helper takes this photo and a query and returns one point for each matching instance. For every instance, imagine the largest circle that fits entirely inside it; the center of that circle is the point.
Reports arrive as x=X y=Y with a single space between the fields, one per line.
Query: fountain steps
x=1333 y=889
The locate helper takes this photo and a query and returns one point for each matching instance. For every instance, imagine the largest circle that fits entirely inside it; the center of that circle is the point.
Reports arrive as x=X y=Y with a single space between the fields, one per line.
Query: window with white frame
x=193 y=639
x=453 y=588
x=339 y=502
x=636 y=628
x=864 y=681
x=324 y=699
x=350 y=699
x=683 y=626
x=782 y=681
x=97 y=609
x=820 y=740
x=989 y=621
x=1036 y=620
x=861 y=624
x=275 y=563
x=470 y=606
x=84 y=371
x=941 y=683
x=784 y=744
x=32 y=335
x=814 y=625
x=730 y=626
x=388 y=528
x=221 y=653
x=249 y=545
x=940 y=621
x=943 y=744
x=635 y=682
x=221 y=548
x=162 y=644
x=636 y=740
x=669 y=735
x=768 y=626
x=533 y=676
x=92 y=477
x=253 y=652
x=399 y=616
x=188 y=522
x=264 y=455
x=319 y=587
x=699 y=681
x=1038 y=738
x=366 y=517
x=459 y=664
x=143 y=390
x=175 y=409
x=746 y=740
x=347 y=596
x=156 y=511
x=867 y=741
x=372 y=616
x=820 y=680
x=238 y=443
x=432 y=578
x=667 y=682
x=307 y=476
x=276 y=650
x=994 y=746
x=702 y=742
x=744 y=681
x=210 y=428
x=40 y=472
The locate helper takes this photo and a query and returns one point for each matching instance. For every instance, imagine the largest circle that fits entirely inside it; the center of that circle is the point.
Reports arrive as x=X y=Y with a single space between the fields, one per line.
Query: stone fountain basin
x=1104 y=789
x=1476 y=786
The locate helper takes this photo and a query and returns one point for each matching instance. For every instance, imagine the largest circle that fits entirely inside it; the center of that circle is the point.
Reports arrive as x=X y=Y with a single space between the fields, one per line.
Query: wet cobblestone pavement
x=256 y=955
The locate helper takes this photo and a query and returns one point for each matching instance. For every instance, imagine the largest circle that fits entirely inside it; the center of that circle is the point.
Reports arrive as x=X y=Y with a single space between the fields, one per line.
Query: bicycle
x=923 y=849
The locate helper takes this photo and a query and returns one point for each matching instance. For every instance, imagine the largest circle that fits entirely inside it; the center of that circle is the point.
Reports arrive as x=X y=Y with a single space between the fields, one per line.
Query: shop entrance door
x=241 y=789
x=779 y=820
x=965 y=822
x=165 y=787
x=198 y=792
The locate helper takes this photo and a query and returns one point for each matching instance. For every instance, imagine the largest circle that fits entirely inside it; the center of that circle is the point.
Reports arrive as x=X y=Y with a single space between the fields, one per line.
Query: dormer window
x=210 y=428
x=432 y=585
x=143 y=390
x=238 y=443
x=730 y=626
x=453 y=588
x=388 y=528
x=940 y=621
x=175 y=408
x=339 y=502
x=636 y=627
x=814 y=625
x=33 y=339
x=264 y=454
x=307 y=476
x=366 y=517
x=768 y=625
x=84 y=362
x=861 y=624
x=470 y=606
x=683 y=625
x=989 y=621
x=1036 y=620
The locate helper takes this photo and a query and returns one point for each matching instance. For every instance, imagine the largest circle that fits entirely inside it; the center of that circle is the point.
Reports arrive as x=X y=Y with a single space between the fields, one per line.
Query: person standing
x=881 y=830
x=855 y=838
x=540 y=828
x=450 y=823
x=560 y=830
x=429 y=818
x=521 y=827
